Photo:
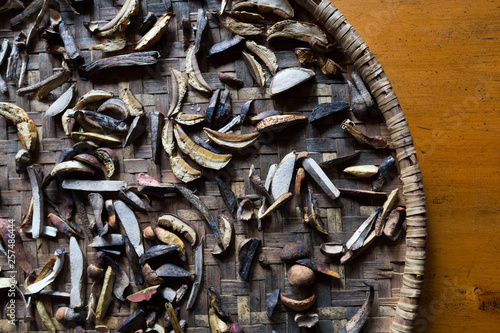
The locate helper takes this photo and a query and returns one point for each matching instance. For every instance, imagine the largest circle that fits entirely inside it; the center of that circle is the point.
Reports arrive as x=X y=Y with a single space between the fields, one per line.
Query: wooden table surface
x=442 y=59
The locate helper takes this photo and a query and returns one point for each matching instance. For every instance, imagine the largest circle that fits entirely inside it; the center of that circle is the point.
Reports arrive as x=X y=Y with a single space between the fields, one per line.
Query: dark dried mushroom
x=294 y=251
x=172 y=271
x=272 y=301
x=225 y=45
x=323 y=110
x=246 y=255
x=135 y=322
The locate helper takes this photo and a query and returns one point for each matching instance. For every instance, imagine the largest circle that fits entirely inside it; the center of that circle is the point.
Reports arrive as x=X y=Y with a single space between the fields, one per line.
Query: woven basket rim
x=376 y=80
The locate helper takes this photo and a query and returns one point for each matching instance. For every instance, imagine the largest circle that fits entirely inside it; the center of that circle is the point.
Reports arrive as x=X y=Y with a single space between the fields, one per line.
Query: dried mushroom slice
x=289 y=78
x=200 y=155
x=119 y=23
x=195 y=78
x=255 y=69
x=265 y=54
x=297 y=30
x=117 y=44
x=156 y=32
x=281 y=8
x=238 y=27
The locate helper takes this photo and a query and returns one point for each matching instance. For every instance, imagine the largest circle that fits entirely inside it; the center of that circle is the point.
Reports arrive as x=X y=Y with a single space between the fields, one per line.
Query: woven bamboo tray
x=394 y=269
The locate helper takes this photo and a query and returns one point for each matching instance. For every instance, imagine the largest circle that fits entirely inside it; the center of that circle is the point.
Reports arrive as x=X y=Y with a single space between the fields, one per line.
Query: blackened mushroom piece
x=223 y=108
x=156 y=125
x=147 y=23
x=201 y=25
x=227 y=194
x=137 y=128
x=126 y=60
x=136 y=321
x=338 y=160
x=360 y=98
x=246 y=255
x=271 y=302
x=157 y=251
x=212 y=107
x=225 y=45
x=172 y=271
x=323 y=110
x=133 y=260
x=383 y=173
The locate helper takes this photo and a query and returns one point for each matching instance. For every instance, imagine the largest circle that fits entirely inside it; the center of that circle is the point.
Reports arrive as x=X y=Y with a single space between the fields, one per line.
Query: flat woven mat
x=395 y=269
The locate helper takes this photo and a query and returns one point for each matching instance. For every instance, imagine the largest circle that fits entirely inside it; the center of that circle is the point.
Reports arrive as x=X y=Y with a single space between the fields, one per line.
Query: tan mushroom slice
x=281 y=200
x=26 y=128
x=105 y=297
x=289 y=78
x=189 y=119
x=231 y=141
x=359 y=236
x=386 y=209
x=297 y=30
x=91 y=96
x=179 y=89
x=255 y=69
x=135 y=108
x=264 y=54
x=376 y=142
x=117 y=44
x=119 y=23
x=179 y=225
x=281 y=8
x=199 y=154
x=156 y=32
x=227 y=230
x=181 y=169
x=362 y=171
x=240 y=28
x=170 y=238
x=195 y=78
x=50 y=277
x=167 y=137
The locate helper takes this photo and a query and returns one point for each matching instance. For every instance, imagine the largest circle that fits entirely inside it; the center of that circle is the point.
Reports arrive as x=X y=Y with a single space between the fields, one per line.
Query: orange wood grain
x=442 y=59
